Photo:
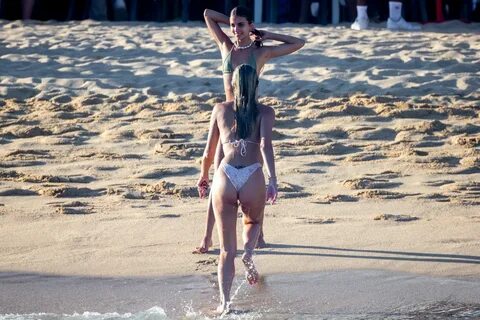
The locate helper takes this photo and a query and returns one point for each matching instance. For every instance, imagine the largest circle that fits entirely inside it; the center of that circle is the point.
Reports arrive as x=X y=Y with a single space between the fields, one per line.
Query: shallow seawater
x=342 y=295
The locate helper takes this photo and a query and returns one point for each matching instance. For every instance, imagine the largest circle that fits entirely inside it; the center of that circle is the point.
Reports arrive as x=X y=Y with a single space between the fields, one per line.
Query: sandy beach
x=102 y=125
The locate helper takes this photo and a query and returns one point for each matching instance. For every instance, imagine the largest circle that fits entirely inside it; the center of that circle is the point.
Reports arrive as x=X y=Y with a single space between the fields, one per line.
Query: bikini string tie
x=243 y=146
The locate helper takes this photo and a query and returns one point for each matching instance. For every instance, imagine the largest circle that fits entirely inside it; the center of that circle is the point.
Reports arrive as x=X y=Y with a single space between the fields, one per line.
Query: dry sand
x=101 y=127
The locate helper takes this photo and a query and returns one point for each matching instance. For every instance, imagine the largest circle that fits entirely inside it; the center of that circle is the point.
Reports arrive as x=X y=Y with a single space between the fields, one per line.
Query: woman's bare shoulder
x=223 y=105
x=266 y=111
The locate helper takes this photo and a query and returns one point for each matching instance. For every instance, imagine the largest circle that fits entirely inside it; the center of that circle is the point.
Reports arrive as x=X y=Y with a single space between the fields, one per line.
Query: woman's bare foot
x=206 y=243
x=251 y=273
x=222 y=309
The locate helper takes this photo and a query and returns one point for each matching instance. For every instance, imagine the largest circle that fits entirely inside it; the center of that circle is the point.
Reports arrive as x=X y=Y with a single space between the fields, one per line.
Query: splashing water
x=154 y=313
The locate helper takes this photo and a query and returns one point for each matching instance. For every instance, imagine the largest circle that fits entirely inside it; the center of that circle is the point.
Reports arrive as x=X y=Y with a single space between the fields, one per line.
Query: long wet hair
x=241 y=11
x=245 y=82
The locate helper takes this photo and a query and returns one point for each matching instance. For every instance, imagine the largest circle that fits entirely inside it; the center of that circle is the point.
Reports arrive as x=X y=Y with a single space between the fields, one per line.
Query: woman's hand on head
x=272 y=192
x=258 y=35
x=202 y=187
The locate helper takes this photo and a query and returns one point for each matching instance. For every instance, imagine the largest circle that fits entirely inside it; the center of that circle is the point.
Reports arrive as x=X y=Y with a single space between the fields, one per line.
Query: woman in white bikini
x=243 y=129
x=243 y=50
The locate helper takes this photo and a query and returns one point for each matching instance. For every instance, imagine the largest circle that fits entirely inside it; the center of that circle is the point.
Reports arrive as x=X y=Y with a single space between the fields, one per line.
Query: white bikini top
x=242 y=144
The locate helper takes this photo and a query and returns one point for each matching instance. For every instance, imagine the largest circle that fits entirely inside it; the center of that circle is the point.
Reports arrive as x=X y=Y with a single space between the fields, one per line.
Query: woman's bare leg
x=252 y=200
x=210 y=221
x=225 y=205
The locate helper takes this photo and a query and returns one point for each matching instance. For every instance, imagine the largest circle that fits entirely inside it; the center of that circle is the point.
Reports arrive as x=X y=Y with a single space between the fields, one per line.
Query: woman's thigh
x=225 y=207
x=252 y=197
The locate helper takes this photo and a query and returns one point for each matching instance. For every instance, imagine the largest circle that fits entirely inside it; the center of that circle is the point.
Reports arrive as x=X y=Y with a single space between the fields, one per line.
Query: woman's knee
x=252 y=216
x=228 y=255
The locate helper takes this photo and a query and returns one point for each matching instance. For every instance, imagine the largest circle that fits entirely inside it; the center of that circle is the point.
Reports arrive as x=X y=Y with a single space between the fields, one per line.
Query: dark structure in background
x=273 y=11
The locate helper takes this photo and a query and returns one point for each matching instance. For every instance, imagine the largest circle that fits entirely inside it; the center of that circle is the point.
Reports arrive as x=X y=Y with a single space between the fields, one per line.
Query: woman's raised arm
x=266 y=147
x=212 y=19
x=290 y=44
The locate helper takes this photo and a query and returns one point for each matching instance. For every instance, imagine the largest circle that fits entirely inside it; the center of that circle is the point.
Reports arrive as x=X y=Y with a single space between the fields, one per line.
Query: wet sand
x=358 y=294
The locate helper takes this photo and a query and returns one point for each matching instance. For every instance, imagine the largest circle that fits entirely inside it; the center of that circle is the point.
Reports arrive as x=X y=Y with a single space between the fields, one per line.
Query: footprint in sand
x=439 y=197
x=15 y=164
x=383 y=134
x=369 y=183
x=166 y=135
x=206 y=264
x=22 y=177
x=166 y=172
x=438 y=162
x=395 y=217
x=467 y=193
x=167 y=189
x=288 y=190
x=464 y=129
x=164 y=216
x=17 y=192
x=70 y=192
x=366 y=156
x=328 y=199
x=425 y=127
x=469 y=142
x=180 y=151
x=315 y=220
x=383 y=194
x=93 y=99
x=75 y=207
x=438 y=183
x=27 y=154
x=30 y=132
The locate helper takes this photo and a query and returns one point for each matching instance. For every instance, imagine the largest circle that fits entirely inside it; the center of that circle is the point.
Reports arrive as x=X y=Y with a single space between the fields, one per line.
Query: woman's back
x=238 y=152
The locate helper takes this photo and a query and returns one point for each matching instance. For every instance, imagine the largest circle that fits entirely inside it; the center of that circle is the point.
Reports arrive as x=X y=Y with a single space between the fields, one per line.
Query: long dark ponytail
x=245 y=82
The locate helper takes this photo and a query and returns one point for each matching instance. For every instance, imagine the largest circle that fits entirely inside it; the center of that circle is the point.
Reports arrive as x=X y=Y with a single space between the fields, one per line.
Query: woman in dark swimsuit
x=243 y=129
x=242 y=50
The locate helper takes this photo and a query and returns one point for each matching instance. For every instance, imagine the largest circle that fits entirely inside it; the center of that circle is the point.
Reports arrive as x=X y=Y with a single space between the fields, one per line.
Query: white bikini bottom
x=238 y=177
